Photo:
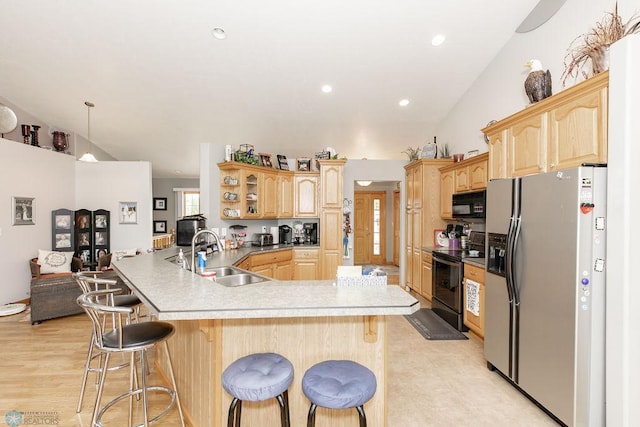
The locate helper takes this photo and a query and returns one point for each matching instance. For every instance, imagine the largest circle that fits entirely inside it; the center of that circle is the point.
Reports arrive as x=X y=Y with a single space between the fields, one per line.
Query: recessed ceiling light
x=219 y=33
x=327 y=88
x=438 y=40
x=178 y=172
x=403 y=102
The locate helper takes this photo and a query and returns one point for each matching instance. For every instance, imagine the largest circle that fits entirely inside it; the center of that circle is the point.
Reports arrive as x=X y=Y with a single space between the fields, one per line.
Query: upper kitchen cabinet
x=285 y=193
x=497 y=154
x=467 y=175
x=332 y=183
x=305 y=186
x=559 y=132
x=257 y=192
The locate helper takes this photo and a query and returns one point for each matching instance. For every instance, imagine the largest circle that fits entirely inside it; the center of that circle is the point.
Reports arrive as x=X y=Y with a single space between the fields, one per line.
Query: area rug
x=433 y=327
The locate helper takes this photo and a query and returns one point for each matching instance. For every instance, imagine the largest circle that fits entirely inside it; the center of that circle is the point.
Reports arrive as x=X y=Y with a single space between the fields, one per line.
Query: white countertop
x=172 y=293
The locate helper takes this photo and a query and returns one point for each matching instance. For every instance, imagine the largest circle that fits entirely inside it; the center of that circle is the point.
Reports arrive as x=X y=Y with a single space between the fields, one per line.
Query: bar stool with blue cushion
x=338 y=384
x=114 y=334
x=255 y=378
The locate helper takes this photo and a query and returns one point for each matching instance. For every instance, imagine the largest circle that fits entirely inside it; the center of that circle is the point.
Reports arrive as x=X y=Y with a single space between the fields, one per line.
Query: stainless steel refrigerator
x=545 y=289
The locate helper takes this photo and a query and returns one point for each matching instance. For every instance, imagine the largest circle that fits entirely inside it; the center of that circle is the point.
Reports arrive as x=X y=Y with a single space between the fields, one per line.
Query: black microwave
x=470 y=205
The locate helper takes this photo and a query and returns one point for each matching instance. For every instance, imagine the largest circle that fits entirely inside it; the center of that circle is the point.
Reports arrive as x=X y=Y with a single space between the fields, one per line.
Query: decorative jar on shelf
x=60 y=141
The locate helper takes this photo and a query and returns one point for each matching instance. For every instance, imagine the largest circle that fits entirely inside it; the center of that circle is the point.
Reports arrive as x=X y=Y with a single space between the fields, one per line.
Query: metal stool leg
x=363 y=417
x=103 y=375
x=283 y=401
x=87 y=365
x=311 y=418
x=173 y=382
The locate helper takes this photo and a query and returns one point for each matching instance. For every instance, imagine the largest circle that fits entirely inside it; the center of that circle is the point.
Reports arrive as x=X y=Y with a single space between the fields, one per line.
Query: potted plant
x=594 y=46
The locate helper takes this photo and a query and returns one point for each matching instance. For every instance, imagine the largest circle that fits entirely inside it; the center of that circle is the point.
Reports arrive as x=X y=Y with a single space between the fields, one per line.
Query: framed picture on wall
x=128 y=213
x=23 y=210
x=159 y=203
x=159 y=226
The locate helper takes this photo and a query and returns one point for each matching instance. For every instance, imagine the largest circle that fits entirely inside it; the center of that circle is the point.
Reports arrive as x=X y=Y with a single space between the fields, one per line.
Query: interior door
x=369 y=227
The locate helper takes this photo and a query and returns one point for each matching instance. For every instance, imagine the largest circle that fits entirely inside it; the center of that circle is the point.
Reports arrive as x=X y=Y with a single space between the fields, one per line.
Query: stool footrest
x=137 y=391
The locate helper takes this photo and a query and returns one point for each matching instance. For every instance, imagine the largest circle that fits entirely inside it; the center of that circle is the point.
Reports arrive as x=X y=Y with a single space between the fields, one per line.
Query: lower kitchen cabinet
x=426 y=288
x=474 y=322
x=276 y=265
x=305 y=264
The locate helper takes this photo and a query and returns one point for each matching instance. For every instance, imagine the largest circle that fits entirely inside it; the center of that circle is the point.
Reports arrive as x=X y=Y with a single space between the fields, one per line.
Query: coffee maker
x=285 y=235
x=310 y=232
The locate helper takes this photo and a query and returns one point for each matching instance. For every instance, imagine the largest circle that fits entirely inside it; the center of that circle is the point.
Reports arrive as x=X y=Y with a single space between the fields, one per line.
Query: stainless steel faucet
x=194 y=261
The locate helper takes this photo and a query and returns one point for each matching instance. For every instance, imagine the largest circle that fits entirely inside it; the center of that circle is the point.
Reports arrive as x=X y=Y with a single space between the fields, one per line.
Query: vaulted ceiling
x=162 y=83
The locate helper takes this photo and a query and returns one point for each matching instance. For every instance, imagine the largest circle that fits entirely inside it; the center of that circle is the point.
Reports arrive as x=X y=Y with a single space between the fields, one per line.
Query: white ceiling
x=162 y=84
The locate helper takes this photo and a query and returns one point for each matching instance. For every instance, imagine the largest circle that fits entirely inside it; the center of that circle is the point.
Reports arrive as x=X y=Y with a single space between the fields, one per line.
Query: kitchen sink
x=240 y=279
x=224 y=271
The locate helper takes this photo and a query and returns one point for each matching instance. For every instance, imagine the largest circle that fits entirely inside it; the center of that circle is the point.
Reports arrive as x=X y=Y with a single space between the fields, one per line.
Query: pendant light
x=88 y=157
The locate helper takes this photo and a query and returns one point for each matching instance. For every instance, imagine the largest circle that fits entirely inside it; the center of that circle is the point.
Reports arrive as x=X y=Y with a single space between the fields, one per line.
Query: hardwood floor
x=431 y=383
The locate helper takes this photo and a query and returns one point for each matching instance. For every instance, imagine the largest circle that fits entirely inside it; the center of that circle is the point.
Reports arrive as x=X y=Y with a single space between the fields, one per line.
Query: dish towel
x=473 y=297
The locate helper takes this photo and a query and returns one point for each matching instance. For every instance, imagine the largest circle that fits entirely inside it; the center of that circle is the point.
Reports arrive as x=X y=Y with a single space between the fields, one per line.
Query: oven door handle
x=446 y=261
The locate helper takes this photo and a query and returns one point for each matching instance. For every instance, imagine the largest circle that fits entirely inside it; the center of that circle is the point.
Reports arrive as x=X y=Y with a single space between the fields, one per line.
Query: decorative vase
x=60 y=141
x=599 y=59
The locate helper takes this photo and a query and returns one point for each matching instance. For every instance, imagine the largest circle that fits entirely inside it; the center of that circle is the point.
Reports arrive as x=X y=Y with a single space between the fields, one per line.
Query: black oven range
x=448 y=297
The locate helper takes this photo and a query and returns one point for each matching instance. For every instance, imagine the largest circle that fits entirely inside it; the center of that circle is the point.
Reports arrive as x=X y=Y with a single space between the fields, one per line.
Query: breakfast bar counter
x=305 y=321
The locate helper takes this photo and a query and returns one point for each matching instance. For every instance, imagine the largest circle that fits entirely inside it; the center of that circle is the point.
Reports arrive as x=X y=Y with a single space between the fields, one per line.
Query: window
x=377 y=228
x=190 y=203
x=187 y=201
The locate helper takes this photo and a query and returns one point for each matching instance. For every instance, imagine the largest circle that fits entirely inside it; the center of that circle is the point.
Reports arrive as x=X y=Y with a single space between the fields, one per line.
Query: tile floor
x=447 y=383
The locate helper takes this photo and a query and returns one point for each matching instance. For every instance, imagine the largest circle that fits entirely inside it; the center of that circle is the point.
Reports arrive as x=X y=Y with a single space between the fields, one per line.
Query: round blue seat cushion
x=339 y=384
x=258 y=376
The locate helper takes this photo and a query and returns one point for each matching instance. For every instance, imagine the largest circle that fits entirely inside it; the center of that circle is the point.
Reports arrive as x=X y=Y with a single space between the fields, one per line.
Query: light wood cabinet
x=497 y=155
x=275 y=264
x=426 y=288
x=306 y=196
x=422 y=215
x=305 y=264
x=270 y=195
x=467 y=175
x=475 y=323
x=256 y=192
x=447 y=188
x=245 y=263
x=330 y=206
x=527 y=146
x=562 y=131
x=331 y=186
x=286 y=195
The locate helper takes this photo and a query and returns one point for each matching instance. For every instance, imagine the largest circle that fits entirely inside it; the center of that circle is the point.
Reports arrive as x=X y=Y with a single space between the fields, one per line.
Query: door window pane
x=376 y=226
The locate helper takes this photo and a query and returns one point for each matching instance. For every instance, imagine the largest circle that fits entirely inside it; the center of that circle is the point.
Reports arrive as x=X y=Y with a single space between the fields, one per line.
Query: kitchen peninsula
x=305 y=321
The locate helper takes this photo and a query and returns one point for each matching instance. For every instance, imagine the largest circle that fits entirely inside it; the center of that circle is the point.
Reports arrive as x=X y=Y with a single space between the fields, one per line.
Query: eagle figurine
x=538 y=82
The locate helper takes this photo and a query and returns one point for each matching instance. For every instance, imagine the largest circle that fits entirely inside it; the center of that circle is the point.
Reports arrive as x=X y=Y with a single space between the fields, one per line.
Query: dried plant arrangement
x=594 y=45
x=412 y=153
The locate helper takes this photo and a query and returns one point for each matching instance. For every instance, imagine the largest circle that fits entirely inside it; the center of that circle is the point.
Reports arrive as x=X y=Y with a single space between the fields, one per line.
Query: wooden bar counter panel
x=305 y=321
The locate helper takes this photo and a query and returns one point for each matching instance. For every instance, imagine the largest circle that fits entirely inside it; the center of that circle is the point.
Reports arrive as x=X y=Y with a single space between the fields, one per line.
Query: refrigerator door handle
x=508 y=276
x=511 y=261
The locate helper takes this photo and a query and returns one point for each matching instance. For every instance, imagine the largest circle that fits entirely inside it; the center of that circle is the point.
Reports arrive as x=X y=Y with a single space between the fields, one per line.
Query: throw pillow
x=54 y=262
